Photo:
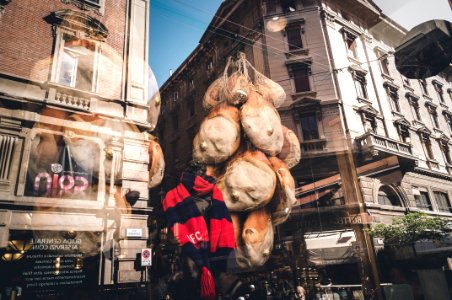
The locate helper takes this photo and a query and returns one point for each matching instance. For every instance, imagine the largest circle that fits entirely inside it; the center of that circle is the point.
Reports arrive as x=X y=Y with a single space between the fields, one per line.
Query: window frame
x=442 y=208
x=427 y=144
x=420 y=200
x=297 y=28
x=424 y=89
x=57 y=59
x=439 y=91
x=393 y=96
x=350 y=39
x=414 y=104
x=360 y=82
x=293 y=68
x=317 y=135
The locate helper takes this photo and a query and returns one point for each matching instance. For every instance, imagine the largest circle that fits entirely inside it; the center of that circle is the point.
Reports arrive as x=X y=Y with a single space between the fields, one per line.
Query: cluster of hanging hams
x=243 y=140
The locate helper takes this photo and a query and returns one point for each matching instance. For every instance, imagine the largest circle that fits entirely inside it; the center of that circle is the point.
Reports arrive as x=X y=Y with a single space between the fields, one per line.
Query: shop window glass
x=61 y=166
x=442 y=201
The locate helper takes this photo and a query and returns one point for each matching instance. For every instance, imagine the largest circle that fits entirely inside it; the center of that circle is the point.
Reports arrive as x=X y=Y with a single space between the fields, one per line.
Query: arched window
x=388 y=196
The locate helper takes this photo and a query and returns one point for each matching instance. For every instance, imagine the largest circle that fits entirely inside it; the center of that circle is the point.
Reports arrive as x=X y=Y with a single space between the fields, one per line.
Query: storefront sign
x=51 y=264
x=146 y=257
x=335 y=220
x=134 y=232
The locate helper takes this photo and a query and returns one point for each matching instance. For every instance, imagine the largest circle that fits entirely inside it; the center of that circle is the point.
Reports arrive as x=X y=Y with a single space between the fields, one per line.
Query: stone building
x=344 y=96
x=73 y=141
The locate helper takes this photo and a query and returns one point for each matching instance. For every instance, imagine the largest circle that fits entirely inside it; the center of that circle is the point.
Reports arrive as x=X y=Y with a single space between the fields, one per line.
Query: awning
x=331 y=247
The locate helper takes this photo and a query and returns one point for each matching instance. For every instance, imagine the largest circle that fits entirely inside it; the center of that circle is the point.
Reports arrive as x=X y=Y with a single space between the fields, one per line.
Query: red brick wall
x=26 y=39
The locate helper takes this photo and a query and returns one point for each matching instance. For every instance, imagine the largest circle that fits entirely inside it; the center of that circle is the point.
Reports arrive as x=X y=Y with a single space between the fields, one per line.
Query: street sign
x=146 y=257
x=134 y=232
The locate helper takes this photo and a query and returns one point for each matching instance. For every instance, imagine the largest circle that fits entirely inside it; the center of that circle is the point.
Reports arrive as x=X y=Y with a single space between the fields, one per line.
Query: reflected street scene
x=230 y=149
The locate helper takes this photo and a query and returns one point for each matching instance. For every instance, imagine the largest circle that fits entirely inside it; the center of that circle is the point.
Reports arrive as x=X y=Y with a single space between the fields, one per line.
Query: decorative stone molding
x=86 y=5
x=79 y=21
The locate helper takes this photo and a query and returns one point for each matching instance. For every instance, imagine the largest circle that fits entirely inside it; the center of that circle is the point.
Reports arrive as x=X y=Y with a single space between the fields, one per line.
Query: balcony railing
x=372 y=141
x=313 y=145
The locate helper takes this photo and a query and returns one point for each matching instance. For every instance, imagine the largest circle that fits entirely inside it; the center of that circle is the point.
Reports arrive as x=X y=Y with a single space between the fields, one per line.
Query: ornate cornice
x=84 y=5
x=78 y=21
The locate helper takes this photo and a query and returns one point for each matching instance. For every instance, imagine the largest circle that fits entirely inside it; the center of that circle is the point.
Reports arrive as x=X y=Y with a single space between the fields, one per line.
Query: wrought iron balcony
x=374 y=144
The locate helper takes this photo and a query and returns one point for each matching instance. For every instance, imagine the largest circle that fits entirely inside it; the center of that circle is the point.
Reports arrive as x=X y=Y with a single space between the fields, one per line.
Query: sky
x=176 y=26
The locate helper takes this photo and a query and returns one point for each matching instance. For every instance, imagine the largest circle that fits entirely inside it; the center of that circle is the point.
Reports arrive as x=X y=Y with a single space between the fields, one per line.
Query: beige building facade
x=335 y=61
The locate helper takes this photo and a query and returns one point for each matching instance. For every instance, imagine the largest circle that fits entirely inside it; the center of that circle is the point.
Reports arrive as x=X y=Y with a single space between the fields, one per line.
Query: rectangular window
x=423 y=84
x=439 y=92
x=405 y=135
x=394 y=99
x=442 y=201
x=309 y=127
x=294 y=40
x=428 y=147
x=384 y=64
x=361 y=86
x=415 y=108
x=76 y=65
x=422 y=199
x=446 y=151
x=434 y=116
x=417 y=113
x=350 y=43
x=300 y=75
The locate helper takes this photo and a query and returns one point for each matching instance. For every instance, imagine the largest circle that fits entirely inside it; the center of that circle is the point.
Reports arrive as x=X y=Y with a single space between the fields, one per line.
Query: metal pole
x=354 y=202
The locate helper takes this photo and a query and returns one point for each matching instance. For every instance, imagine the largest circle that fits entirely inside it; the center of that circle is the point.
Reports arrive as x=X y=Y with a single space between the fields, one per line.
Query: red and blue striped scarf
x=190 y=229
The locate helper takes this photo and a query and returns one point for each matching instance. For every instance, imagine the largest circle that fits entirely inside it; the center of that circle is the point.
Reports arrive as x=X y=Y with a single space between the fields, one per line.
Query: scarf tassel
x=207 y=285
